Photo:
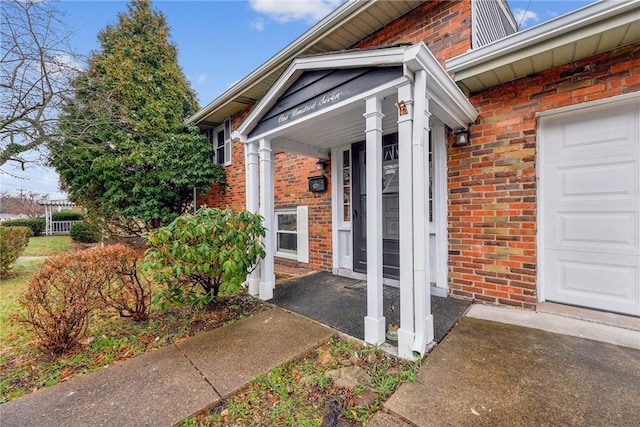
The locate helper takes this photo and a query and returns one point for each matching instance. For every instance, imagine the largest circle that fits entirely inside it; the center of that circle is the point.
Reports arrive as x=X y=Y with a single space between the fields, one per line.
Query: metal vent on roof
x=491 y=21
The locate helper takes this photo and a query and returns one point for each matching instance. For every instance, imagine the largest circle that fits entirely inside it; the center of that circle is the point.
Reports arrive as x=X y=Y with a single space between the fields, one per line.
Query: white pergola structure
x=398 y=89
x=49 y=205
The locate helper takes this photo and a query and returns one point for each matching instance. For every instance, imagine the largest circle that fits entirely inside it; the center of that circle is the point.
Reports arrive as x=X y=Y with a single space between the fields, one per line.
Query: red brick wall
x=292 y=189
x=492 y=183
x=443 y=25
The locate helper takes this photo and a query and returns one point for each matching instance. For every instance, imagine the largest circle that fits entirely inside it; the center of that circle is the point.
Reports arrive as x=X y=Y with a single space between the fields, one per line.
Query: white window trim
x=226 y=128
x=302 y=234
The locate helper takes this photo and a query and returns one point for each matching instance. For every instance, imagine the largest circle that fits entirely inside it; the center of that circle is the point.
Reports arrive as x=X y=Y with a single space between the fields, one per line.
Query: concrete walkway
x=502 y=366
x=163 y=387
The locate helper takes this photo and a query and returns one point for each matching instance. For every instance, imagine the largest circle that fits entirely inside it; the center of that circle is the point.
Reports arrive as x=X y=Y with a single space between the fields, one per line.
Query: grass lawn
x=48 y=245
x=303 y=393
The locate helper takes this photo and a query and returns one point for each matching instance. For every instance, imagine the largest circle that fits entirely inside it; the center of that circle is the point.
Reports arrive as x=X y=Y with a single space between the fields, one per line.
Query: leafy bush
x=200 y=255
x=84 y=233
x=67 y=215
x=127 y=291
x=36 y=225
x=60 y=296
x=13 y=242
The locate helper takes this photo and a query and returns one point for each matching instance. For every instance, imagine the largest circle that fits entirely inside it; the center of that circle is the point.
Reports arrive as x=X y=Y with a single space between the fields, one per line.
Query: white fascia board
x=368 y=58
x=591 y=19
x=441 y=87
x=313 y=35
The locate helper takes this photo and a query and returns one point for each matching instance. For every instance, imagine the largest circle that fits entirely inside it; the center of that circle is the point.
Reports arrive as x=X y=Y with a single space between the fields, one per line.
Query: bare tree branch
x=36 y=72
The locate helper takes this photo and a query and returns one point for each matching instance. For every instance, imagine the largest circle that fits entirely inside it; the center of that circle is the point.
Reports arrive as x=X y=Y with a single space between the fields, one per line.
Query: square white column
x=252 y=203
x=267 y=279
x=374 y=322
x=406 y=333
x=422 y=291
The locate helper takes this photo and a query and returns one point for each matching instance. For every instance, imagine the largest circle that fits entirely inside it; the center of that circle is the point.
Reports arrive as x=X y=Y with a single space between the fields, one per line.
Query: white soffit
x=589 y=31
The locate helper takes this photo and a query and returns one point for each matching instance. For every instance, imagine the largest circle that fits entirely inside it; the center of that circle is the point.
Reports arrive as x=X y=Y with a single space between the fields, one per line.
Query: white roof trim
x=390 y=56
x=453 y=107
x=520 y=44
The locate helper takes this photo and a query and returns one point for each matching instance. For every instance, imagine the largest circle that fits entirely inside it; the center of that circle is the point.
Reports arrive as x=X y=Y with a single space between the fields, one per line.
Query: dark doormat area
x=341 y=303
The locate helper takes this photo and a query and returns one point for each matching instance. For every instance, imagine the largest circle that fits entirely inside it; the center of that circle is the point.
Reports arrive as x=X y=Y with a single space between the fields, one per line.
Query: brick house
x=506 y=164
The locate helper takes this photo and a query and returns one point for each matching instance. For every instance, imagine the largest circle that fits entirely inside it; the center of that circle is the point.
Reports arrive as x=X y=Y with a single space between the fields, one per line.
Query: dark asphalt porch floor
x=341 y=303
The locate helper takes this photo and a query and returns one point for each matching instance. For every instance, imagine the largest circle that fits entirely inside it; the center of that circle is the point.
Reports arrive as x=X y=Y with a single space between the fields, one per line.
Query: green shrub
x=198 y=256
x=13 y=242
x=36 y=225
x=84 y=233
x=67 y=215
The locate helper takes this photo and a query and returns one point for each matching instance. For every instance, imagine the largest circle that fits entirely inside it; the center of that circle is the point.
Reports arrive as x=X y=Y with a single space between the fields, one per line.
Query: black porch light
x=462 y=138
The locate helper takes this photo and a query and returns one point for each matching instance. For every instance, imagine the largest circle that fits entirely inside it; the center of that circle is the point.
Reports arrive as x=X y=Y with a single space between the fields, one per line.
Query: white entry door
x=590 y=206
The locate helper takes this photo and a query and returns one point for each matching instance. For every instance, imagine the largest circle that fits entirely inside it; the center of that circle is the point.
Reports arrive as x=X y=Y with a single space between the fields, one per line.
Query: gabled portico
x=326 y=101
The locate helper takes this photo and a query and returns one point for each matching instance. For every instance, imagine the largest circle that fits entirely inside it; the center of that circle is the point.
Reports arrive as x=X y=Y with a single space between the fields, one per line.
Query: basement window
x=292 y=237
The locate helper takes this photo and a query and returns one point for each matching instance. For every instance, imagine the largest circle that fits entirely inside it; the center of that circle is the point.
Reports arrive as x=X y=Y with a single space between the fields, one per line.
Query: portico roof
x=342 y=123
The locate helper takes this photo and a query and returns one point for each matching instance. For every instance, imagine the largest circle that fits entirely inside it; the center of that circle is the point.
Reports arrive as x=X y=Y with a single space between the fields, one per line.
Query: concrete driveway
x=487 y=373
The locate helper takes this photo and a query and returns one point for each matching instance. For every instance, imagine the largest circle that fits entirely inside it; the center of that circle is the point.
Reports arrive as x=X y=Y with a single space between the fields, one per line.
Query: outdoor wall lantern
x=321 y=164
x=462 y=138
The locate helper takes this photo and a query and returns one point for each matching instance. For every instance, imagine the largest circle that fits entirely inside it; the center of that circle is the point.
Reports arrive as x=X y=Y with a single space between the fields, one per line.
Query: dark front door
x=390 y=208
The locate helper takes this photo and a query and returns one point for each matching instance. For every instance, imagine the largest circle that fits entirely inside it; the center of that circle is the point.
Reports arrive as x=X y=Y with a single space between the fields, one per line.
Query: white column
x=423 y=317
x=374 y=322
x=252 y=203
x=406 y=333
x=267 y=280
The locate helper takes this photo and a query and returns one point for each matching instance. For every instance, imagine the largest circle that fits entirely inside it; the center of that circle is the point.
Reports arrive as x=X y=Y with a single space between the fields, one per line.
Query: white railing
x=61 y=227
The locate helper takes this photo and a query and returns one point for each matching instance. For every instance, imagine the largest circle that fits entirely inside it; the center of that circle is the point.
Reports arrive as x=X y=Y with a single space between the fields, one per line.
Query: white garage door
x=590 y=206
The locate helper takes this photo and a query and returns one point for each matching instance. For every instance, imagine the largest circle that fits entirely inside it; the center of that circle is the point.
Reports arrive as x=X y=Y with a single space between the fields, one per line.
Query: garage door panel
x=595 y=231
x=593 y=133
x=604 y=282
x=590 y=206
x=580 y=182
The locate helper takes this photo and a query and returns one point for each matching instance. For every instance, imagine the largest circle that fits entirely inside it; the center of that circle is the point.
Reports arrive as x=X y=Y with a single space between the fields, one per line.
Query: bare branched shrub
x=68 y=287
x=128 y=291
x=60 y=297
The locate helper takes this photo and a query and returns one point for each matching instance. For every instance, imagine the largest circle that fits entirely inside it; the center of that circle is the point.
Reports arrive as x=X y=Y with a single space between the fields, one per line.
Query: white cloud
x=295 y=10
x=201 y=79
x=257 y=24
x=525 y=18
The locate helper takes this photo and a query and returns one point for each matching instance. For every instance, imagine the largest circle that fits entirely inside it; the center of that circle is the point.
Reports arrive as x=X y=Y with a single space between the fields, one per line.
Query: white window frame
x=225 y=128
x=285 y=253
x=302 y=234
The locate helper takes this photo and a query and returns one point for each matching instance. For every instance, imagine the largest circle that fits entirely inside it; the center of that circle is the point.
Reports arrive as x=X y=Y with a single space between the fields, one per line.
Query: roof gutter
x=545 y=32
x=315 y=33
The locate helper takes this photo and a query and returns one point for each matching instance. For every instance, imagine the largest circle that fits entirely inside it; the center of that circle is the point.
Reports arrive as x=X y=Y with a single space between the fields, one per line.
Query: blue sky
x=220 y=42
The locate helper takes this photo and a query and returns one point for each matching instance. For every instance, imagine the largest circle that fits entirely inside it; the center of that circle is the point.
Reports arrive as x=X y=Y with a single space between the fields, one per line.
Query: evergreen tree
x=126 y=155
